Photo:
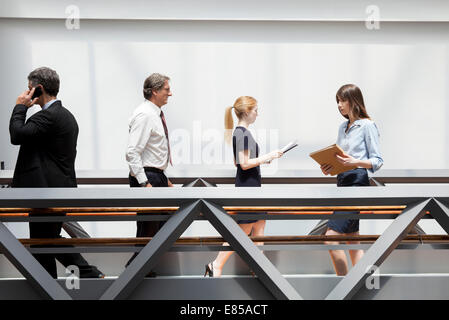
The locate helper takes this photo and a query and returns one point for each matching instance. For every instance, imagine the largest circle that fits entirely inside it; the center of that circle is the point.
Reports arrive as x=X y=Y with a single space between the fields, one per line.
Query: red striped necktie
x=166 y=135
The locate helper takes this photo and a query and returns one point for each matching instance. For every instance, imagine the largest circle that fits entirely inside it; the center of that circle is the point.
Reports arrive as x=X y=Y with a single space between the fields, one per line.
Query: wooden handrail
x=324 y=212
x=315 y=208
x=7 y=212
x=113 y=214
x=88 y=210
x=218 y=240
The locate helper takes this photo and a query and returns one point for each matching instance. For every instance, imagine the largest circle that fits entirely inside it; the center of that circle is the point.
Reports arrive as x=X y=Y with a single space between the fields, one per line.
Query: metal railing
x=207 y=203
x=214 y=176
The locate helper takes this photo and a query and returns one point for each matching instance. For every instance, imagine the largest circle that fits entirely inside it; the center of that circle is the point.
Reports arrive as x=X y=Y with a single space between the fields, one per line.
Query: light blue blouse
x=361 y=142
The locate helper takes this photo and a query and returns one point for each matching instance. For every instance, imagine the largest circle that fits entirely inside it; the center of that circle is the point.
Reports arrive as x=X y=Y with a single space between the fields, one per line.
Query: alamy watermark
x=373 y=280
x=201 y=146
x=73 y=280
x=372 y=21
x=72 y=22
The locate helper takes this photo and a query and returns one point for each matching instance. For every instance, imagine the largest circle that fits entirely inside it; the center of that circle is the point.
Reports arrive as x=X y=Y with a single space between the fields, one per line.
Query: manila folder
x=327 y=156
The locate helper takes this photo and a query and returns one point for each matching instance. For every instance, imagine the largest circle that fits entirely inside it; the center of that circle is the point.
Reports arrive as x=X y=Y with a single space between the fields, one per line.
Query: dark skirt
x=351 y=178
x=248 y=178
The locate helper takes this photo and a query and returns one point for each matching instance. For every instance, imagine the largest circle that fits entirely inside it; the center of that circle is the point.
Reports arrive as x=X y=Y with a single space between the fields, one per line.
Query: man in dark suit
x=47 y=156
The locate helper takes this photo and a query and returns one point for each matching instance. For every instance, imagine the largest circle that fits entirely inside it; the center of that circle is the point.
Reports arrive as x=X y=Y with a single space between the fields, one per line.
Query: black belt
x=152 y=169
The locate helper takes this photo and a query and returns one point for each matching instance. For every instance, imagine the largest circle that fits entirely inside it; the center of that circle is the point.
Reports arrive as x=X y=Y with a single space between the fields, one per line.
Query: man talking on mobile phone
x=46 y=157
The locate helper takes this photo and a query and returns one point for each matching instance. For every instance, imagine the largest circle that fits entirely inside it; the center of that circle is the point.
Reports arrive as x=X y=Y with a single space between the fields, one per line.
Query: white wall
x=291 y=55
x=293 y=10
x=292 y=68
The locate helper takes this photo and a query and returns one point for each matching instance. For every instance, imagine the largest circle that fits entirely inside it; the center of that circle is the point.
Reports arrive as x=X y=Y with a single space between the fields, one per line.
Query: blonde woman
x=247 y=161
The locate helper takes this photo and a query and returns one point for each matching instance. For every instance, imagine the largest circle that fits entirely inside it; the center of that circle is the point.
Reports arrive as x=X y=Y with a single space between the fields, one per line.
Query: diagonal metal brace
x=150 y=254
x=440 y=212
x=29 y=267
x=245 y=248
x=379 y=251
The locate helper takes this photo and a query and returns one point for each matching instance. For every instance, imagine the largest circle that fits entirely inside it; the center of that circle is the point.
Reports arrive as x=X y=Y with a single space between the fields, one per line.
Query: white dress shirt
x=147 y=144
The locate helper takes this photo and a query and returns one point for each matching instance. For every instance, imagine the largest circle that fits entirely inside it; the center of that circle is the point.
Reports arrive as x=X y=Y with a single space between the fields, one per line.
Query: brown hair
x=154 y=82
x=353 y=94
x=241 y=106
x=47 y=77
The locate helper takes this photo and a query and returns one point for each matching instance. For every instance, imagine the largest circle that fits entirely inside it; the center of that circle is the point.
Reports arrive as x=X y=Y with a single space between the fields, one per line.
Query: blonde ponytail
x=229 y=125
x=241 y=106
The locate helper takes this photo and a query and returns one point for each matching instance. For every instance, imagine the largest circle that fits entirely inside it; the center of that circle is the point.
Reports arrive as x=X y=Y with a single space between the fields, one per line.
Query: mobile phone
x=37 y=92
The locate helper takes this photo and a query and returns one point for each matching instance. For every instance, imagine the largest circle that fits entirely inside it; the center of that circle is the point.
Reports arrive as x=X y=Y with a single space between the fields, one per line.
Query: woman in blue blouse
x=358 y=136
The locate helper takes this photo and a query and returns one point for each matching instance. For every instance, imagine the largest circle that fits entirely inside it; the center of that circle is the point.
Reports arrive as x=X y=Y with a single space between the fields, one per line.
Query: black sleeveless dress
x=242 y=139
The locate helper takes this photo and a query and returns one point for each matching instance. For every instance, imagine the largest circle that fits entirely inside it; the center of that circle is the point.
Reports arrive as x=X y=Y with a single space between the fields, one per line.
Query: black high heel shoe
x=209 y=270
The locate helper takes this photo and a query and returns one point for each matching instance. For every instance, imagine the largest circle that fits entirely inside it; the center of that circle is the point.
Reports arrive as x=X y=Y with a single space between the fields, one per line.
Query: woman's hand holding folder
x=326 y=169
x=345 y=159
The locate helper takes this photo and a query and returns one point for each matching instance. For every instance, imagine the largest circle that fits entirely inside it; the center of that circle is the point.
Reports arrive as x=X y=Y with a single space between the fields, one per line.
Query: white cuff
x=141 y=177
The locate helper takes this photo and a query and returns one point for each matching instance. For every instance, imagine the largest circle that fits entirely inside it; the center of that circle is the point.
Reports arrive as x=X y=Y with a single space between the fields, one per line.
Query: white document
x=289 y=146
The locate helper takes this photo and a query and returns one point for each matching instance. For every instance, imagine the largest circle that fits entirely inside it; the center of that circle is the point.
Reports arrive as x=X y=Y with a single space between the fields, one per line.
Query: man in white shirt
x=148 y=153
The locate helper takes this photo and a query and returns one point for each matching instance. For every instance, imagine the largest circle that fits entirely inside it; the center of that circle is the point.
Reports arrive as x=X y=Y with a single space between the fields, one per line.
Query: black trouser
x=52 y=230
x=156 y=178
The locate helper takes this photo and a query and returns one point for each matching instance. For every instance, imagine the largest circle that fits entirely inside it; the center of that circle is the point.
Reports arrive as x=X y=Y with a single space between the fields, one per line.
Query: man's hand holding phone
x=28 y=98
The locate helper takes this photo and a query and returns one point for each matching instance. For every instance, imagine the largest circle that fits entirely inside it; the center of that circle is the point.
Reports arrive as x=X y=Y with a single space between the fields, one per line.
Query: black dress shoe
x=151 y=274
x=209 y=270
x=92 y=273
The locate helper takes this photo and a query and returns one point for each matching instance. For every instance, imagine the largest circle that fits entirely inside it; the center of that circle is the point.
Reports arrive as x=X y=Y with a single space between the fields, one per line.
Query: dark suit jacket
x=47 y=147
